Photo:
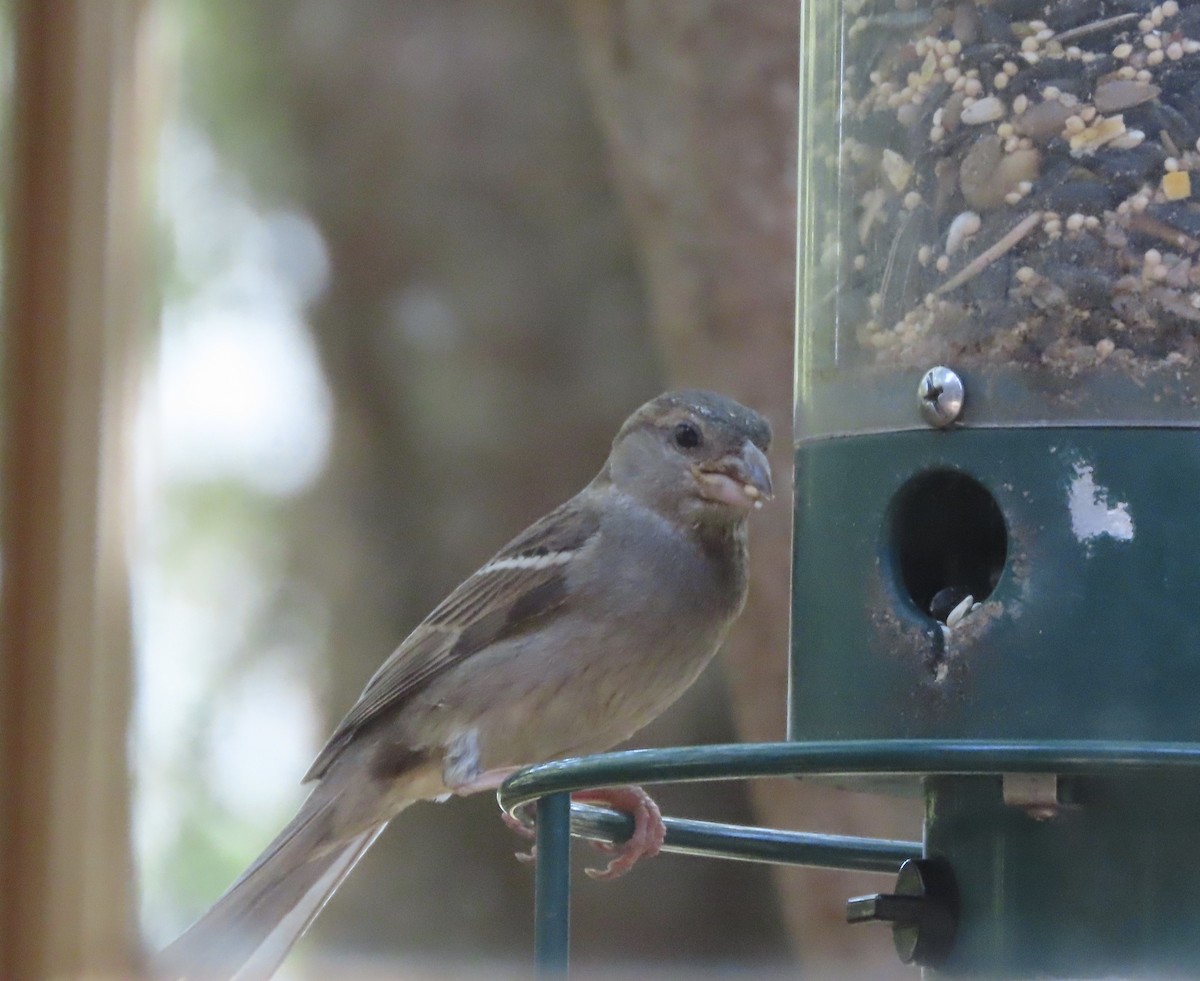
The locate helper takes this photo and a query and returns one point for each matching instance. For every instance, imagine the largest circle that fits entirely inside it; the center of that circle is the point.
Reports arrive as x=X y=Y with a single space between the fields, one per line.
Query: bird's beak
x=741 y=479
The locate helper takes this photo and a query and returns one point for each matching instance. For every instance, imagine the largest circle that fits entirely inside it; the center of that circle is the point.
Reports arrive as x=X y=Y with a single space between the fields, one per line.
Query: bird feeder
x=997 y=524
x=997 y=455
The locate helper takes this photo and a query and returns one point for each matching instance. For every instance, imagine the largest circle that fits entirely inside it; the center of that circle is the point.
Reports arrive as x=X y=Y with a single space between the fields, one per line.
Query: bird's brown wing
x=516 y=590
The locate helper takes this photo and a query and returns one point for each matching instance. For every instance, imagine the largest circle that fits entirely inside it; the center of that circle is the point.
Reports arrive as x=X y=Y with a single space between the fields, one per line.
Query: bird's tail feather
x=250 y=929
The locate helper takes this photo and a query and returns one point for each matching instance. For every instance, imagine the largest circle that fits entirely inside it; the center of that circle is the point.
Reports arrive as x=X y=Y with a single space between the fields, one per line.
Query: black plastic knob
x=923 y=911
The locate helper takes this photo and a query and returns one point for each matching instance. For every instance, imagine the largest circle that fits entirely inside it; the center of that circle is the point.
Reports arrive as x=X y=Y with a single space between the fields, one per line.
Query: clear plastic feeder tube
x=1007 y=188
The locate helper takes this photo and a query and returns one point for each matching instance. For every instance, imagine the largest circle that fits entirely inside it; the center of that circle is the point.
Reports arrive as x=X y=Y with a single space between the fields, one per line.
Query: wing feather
x=521 y=585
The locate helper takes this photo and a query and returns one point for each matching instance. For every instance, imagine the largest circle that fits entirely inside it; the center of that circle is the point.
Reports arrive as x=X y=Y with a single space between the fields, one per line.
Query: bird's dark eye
x=687 y=436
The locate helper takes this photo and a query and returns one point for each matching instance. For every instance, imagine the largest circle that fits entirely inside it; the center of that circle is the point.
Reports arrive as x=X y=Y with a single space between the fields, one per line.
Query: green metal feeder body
x=997 y=464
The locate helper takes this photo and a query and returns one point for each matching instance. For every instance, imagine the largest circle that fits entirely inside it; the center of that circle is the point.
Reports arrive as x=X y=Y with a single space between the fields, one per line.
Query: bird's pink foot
x=646 y=841
x=515 y=824
x=649 y=832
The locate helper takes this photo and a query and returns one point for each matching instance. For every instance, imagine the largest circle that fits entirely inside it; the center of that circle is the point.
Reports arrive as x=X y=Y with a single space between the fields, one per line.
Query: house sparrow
x=570 y=639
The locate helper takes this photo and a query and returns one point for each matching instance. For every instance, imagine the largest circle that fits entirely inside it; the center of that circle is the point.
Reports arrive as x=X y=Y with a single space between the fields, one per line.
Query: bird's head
x=697 y=456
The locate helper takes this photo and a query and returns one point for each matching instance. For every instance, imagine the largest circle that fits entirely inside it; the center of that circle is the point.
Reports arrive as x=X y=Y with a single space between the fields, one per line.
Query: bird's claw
x=649 y=832
x=645 y=842
x=516 y=824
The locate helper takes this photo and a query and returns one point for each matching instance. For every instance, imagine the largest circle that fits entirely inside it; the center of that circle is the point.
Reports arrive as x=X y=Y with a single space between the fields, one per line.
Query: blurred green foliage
x=234 y=90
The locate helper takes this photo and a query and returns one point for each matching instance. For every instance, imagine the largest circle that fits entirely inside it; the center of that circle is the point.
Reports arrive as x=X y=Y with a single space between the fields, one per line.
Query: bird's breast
x=647 y=611
x=654 y=575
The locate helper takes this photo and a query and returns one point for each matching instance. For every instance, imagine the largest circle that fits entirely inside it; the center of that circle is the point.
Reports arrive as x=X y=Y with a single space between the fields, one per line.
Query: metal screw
x=940 y=396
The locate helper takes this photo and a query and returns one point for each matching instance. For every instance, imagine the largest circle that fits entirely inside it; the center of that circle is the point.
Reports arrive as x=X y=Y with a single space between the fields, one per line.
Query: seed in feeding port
x=954 y=617
x=945 y=601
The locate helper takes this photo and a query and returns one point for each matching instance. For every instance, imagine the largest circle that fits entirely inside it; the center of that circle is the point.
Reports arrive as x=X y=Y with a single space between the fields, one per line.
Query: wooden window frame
x=74 y=311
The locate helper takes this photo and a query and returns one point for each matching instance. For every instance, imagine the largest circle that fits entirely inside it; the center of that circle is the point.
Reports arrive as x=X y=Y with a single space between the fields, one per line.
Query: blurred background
x=380 y=281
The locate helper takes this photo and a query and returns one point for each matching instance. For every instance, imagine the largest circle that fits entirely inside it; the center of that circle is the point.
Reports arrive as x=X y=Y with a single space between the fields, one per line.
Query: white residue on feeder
x=1093 y=514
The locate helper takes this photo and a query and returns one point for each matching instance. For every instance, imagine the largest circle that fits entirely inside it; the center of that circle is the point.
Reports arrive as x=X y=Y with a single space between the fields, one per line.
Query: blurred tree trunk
x=698 y=104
